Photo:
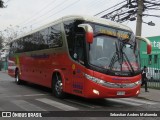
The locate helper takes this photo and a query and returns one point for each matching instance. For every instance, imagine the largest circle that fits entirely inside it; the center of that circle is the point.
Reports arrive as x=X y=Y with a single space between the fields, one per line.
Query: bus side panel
x=11 y=66
x=38 y=67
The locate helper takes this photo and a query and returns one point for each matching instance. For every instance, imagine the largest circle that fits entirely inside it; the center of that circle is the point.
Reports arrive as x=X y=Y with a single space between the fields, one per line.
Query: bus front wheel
x=57 y=86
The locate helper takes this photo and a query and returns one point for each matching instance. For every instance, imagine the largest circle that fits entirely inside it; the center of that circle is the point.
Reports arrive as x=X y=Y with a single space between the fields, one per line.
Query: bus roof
x=81 y=17
x=97 y=20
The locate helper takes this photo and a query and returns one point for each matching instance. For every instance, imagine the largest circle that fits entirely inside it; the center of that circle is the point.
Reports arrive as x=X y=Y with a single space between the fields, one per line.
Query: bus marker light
x=95 y=91
x=137 y=92
x=73 y=66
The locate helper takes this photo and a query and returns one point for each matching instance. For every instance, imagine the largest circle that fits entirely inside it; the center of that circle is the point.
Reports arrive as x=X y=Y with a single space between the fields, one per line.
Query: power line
x=45 y=7
x=95 y=3
x=32 y=21
x=58 y=11
x=129 y=10
x=110 y=8
x=63 y=2
x=51 y=10
x=7 y=1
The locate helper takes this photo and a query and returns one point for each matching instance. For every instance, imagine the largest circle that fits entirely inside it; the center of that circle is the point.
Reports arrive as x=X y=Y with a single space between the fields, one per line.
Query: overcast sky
x=30 y=14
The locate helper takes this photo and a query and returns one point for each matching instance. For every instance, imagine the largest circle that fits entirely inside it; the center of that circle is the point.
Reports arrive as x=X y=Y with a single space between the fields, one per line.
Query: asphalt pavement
x=35 y=98
x=153 y=94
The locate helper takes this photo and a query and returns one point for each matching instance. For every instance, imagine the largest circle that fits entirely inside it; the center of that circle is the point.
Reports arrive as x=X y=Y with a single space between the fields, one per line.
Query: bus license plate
x=120 y=92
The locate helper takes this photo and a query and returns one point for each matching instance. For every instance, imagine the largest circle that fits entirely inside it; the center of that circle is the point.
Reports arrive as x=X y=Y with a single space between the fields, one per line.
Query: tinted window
x=43 y=38
x=47 y=38
x=11 y=51
x=68 y=26
x=27 y=43
x=73 y=34
x=55 y=36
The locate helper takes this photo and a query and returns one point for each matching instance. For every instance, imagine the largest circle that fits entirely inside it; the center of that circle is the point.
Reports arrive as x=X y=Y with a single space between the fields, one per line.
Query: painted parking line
x=132 y=101
x=28 y=95
x=79 y=103
x=140 y=101
x=57 y=104
x=121 y=101
x=27 y=106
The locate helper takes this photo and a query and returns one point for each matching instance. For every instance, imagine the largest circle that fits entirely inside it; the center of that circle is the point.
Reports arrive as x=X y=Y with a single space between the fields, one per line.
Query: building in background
x=152 y=61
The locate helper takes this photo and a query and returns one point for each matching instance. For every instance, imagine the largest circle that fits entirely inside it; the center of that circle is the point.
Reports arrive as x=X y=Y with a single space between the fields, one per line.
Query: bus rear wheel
x=57 y=86
x=17 y=80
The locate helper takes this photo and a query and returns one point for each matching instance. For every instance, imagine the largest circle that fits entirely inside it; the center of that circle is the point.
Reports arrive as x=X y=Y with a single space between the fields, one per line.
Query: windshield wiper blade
x=129 y=62
x=115 y=57
x=118 y=56
x=113 y=60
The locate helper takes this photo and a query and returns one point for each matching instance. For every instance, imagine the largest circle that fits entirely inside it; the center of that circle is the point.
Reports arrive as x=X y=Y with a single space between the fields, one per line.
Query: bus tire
x=57 y=86
x=17 y=80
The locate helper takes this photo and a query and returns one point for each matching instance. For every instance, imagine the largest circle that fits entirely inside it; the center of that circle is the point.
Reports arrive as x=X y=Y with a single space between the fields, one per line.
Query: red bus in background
x=81 y=55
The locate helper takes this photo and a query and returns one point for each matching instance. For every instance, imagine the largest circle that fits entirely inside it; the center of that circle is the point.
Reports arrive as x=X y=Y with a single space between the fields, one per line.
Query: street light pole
x=139 y=19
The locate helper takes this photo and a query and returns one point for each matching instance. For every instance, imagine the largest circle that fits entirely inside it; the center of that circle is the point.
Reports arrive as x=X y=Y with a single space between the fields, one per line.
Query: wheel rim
x=58 y=86
x=17 y=78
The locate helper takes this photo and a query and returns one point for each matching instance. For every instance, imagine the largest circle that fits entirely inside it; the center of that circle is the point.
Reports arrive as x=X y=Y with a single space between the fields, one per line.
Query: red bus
x=81 y=55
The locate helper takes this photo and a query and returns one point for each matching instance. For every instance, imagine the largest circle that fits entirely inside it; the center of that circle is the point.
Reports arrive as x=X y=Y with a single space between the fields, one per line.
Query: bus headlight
x=138 y=82
x=96 y=80
x=112 y=85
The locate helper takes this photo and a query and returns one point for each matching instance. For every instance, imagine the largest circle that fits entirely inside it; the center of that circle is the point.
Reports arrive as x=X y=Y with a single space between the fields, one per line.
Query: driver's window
x=79 y=48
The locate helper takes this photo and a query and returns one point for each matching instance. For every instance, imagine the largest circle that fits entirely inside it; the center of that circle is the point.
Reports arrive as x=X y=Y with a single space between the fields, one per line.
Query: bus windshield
x=113 y=50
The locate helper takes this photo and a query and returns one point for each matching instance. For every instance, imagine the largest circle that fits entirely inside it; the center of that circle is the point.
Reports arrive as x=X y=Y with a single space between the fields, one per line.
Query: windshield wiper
x=129 y=62
x=114 y=58
x=118 y=56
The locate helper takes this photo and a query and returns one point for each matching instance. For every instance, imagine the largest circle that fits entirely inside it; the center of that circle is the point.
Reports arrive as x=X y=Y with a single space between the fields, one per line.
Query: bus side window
x=68 y=27
x=79 y=48
x=11 y=49
x=55 y=36
x=75 y=39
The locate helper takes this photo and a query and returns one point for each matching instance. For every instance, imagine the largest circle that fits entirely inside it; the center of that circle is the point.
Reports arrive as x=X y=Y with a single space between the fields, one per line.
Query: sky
x=26 y=15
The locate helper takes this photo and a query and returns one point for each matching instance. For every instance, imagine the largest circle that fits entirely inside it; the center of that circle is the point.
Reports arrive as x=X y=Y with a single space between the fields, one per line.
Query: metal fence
x=153 y=71
x=3 y=65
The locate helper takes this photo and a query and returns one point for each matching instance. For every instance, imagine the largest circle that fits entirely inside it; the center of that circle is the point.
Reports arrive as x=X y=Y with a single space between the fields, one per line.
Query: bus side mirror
x=149 y=46
x=89 y=32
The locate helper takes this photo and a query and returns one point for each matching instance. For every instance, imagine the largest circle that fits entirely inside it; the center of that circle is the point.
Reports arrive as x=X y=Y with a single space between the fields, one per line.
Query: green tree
x=1 y=4
x=1 y=42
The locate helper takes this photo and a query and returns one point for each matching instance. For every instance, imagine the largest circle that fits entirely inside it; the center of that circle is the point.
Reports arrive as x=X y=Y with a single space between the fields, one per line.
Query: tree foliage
x=1 y=4
x=1 y=42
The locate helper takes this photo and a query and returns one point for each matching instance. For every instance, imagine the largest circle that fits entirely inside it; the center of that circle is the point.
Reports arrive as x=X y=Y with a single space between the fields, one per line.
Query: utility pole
x=139 y=19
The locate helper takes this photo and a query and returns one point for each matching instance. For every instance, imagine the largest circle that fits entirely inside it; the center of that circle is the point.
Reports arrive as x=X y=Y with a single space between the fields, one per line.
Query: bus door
x=78 y=67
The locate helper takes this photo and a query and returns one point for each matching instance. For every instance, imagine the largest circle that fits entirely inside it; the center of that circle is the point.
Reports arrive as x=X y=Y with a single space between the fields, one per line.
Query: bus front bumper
x=94 y=90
